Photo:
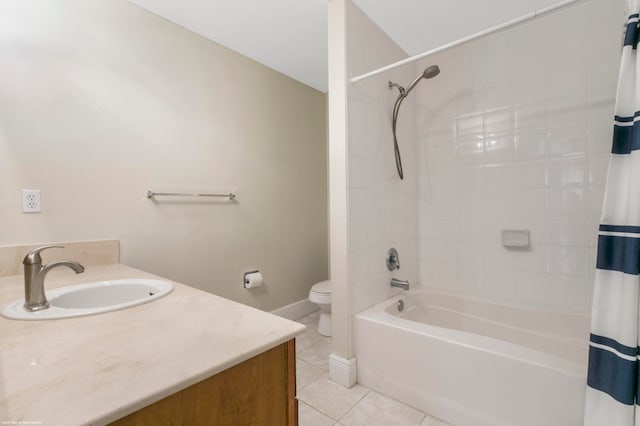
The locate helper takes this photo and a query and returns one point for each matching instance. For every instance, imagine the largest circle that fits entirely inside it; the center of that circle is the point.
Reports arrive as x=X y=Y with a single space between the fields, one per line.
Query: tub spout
x=400 y=284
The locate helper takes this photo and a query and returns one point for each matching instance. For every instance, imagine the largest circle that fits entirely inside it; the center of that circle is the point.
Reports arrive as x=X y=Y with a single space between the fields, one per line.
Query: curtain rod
x=494 y=29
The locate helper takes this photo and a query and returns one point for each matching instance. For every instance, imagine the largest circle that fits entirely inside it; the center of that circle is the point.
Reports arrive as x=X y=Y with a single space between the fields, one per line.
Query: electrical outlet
x=31 y=201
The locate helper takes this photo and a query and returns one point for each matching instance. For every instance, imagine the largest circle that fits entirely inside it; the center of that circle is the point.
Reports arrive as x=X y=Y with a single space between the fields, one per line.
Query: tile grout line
x=319 y=411
x=354 y=405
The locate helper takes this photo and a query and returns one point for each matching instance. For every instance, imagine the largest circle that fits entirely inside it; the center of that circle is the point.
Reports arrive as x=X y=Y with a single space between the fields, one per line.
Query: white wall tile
x=470 y=151
x=469 y=125
x=441 y=178
x=568 y=232
x=530 y=91
x=567 y=202
x=531 y=202
x=599 y=137
x=443 y=204
x=499 y=149
x=469 y=253
x=567 y=140
x=493 y=203
x=567 y=171
x=499 y=176
x=531 y=116
x=532 y=288
x=531 y=144
x=469 y=102
x=358 y=234
x=569 y=291
x=603 y=47
x=442 y=152
x=470 y=279
x=570 y=79
x=592 y=260
x=498 y=121
x=466 y=202
x=438 y=251
x=538 y=228
x=531 y=174
x=471 y=228
x=571 y=261
x=470 y=178
x=534 y=259
x=363 y=136
x=498 y=97
x=567 y=110
x=598 y=166
x=498 y=257
x=516 y=134
x=359 y=203
x=601 y=104
x=359 y=172
x=593 y=226
x=444 y=275
x=500 y=283
x=438 y=228
x=595 y=196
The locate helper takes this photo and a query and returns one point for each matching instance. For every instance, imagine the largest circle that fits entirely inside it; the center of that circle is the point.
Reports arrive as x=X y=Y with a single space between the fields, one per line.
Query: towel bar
x=151 y=194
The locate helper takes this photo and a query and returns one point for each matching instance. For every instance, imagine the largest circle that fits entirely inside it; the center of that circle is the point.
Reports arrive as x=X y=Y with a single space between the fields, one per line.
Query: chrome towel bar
x=151 y=194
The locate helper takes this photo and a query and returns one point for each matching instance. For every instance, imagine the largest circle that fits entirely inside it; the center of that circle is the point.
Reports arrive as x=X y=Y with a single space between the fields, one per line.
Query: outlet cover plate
x=31 y=201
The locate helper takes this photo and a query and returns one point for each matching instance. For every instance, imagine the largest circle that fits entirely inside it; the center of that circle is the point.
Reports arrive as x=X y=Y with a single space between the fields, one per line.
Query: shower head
x=429 y=72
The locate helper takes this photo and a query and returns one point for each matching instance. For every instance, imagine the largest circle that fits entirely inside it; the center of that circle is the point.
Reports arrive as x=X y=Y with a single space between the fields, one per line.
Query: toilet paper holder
x=245 y=278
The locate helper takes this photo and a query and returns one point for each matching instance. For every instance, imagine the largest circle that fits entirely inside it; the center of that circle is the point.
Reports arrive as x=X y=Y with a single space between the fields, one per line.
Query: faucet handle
x=393 y=260
x=33 y=257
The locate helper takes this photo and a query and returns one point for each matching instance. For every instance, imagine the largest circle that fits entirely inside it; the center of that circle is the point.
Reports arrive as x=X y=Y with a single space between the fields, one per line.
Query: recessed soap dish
x=515 y=238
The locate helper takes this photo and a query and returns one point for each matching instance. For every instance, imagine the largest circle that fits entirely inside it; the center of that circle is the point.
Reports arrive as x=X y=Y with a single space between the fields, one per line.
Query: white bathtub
x=474 y=363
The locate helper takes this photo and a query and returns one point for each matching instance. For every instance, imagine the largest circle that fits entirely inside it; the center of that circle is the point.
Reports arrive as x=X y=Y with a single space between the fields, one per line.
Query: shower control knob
x=393 y=260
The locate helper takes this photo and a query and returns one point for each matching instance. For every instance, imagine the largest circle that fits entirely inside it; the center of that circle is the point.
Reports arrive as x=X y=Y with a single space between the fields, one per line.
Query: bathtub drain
x=400 y=305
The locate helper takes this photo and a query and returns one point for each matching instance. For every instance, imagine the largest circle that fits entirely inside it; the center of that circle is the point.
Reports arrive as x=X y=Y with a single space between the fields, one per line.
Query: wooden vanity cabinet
x=259 y=391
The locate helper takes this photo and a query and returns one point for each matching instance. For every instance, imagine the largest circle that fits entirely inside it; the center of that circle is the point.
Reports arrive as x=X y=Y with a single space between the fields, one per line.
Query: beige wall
x=100 y=101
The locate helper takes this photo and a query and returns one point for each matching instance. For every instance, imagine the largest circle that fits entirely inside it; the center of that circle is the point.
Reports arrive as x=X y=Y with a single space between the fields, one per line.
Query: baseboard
x=296 y=310
x=342 y=371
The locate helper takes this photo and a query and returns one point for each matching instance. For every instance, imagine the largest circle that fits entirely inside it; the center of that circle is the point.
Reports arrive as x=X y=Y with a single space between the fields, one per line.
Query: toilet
x=320 y=294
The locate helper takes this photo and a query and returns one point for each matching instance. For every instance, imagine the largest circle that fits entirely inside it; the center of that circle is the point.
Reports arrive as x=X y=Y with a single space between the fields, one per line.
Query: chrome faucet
x=34 y=273
x=400 y=284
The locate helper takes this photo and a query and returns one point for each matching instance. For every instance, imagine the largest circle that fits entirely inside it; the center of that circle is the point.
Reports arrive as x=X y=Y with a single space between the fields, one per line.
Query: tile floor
x=322 y=402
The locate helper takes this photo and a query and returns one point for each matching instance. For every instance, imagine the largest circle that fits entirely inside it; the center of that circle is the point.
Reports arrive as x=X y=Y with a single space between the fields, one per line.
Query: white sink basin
x=92 y=298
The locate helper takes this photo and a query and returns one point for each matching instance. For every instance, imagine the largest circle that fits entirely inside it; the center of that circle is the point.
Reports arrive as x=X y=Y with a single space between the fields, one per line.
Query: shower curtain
x=612 y=391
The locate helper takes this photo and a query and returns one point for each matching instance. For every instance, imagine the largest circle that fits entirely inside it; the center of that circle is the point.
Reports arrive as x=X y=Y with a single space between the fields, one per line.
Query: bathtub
x=475 y=363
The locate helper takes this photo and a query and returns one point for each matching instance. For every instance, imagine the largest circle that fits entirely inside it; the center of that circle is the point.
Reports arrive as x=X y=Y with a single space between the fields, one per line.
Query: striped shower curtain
x=612 y=391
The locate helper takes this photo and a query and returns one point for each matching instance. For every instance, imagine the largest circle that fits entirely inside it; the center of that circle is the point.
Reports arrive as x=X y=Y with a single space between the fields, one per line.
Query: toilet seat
x=321 y=293
x=322 y=287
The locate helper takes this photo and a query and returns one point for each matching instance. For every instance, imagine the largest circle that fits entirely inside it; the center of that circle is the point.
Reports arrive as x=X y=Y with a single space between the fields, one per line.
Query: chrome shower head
x=429 y=72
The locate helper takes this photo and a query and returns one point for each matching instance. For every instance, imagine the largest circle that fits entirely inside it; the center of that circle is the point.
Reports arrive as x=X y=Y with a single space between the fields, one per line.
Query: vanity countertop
x=96 y=369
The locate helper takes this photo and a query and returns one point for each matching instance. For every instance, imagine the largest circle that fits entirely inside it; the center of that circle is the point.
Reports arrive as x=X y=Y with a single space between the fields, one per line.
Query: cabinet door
x=259 y=391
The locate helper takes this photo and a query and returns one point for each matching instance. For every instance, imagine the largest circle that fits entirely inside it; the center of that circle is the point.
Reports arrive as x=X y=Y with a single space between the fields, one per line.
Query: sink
x=92 y=298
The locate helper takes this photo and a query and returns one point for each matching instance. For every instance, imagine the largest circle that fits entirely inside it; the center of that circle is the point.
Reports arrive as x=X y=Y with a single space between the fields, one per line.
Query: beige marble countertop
x=95 y=369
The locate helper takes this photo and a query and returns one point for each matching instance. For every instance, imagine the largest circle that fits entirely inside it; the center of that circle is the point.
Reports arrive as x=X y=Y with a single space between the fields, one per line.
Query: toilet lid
x=323 y=287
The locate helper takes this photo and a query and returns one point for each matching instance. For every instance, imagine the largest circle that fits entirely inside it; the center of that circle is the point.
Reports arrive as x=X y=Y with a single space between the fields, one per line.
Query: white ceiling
x=290 y=36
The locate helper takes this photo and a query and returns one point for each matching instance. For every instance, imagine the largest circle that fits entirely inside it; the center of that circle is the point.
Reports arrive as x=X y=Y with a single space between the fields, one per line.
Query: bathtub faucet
x=400 y=284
